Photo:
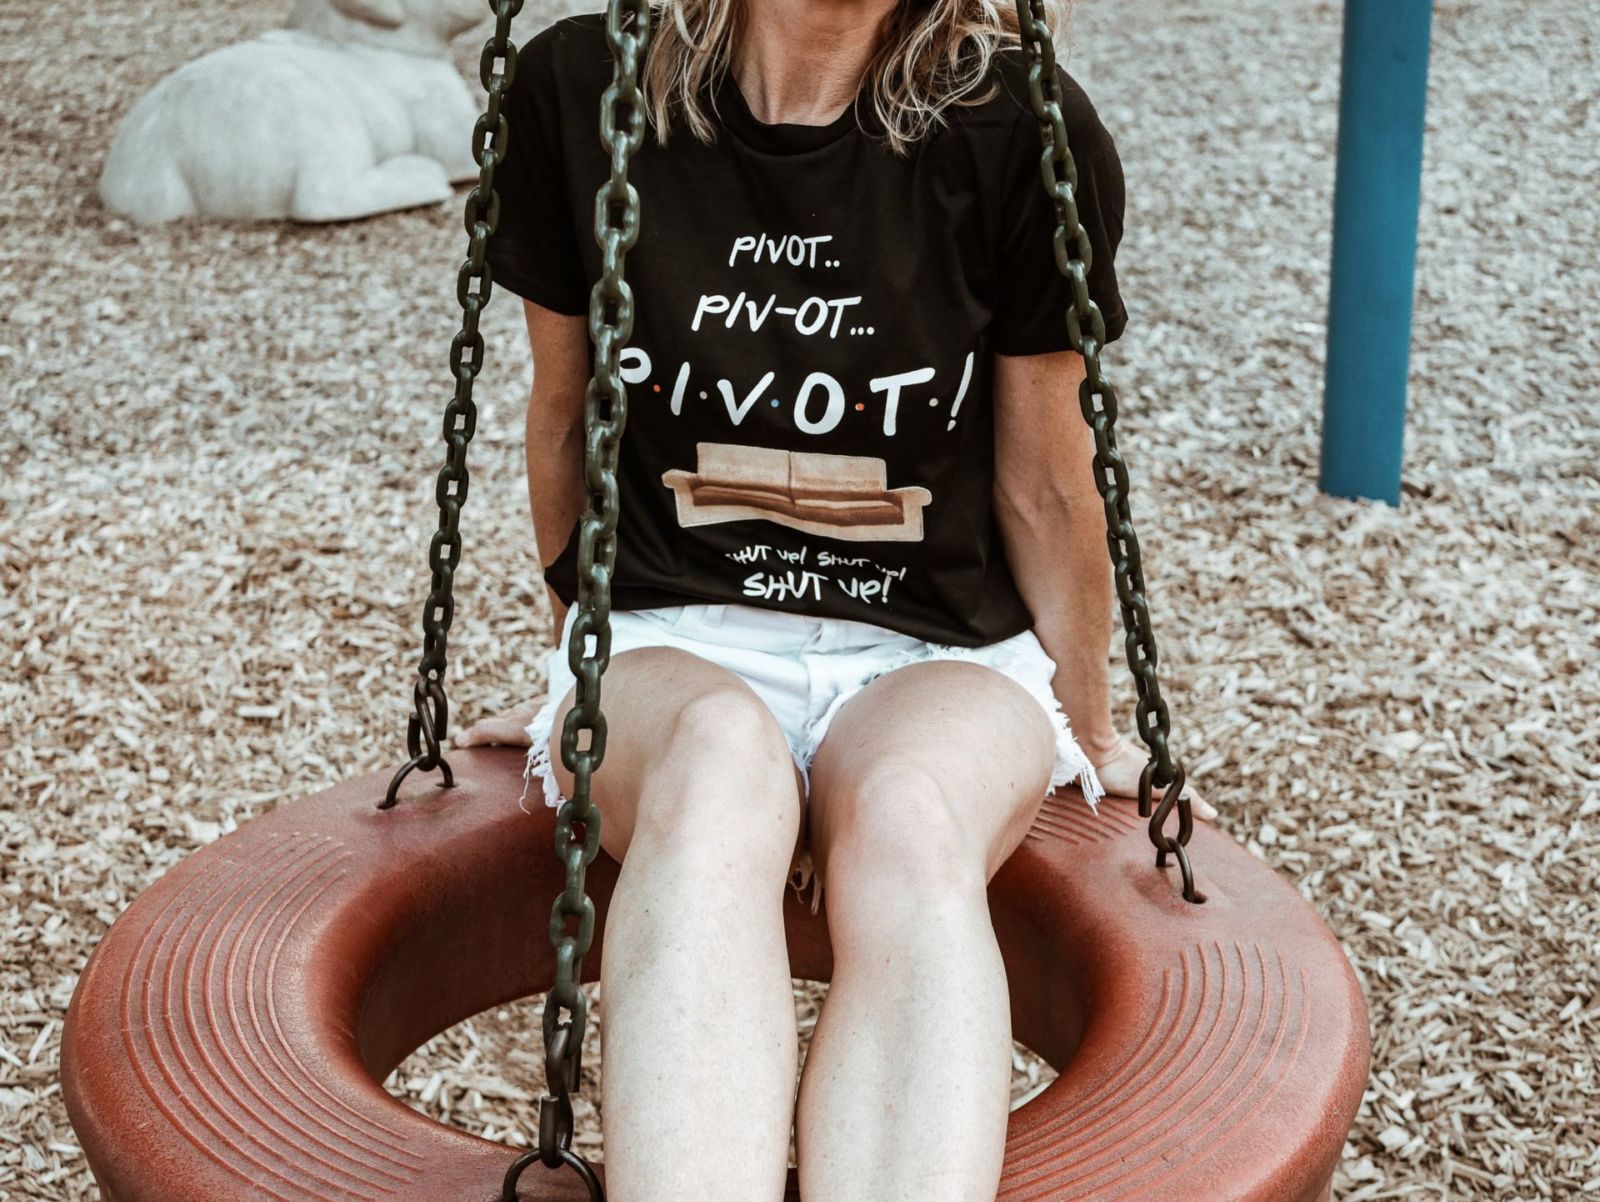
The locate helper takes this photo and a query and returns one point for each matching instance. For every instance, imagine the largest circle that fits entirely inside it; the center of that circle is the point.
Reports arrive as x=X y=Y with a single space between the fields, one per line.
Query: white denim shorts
x=804 y=669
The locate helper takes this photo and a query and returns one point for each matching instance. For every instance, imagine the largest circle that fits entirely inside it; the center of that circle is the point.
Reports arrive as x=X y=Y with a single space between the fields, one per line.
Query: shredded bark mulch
x=219 y=450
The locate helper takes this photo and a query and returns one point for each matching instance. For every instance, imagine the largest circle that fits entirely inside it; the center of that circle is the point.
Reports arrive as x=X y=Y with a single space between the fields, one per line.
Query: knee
x=725 y=767
x=901 y=837
x=726 y=727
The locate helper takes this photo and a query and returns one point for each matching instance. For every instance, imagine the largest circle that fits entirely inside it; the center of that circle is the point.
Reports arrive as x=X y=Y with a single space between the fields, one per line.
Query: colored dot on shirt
x=702 y=394
x=774 y=402
x=933 y=401
x=655 y=388
x=859 y=407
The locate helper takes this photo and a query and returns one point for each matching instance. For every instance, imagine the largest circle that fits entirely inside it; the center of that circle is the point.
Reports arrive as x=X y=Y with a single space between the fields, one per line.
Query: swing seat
x=228 y=1038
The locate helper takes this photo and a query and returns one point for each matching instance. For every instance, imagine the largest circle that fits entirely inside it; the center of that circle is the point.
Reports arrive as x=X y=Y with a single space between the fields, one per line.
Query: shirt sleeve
x=534 y=249
x=1033 y=295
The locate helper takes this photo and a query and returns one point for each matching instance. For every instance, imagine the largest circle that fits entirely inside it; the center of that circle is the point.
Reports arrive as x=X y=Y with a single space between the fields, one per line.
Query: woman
x=861 y=582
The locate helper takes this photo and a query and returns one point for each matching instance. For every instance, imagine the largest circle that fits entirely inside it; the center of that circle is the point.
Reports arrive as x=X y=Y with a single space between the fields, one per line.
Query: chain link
x=1098 y=400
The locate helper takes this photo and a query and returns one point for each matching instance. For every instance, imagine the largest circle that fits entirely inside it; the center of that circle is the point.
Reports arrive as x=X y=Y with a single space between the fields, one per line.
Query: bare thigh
x=658 y=703
x=942 y=752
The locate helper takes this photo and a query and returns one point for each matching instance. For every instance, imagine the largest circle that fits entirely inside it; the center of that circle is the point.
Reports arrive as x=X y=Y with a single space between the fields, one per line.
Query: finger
x=493 y=730
x=507 y=730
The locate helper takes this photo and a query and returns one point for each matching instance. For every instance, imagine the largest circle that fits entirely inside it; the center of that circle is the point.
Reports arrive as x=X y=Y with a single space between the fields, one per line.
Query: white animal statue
x=353 y=109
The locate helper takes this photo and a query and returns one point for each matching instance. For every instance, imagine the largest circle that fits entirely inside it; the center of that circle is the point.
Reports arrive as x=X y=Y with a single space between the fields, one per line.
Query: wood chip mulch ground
x=218 y=453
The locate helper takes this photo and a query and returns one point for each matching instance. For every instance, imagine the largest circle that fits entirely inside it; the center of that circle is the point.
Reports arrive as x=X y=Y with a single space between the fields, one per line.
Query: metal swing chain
x=605 y=411
x=583 y=733
x=430 y=719
x=1098 y=401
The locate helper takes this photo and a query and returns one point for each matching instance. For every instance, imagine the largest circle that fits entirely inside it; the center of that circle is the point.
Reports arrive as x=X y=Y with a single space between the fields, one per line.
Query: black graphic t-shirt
x=810 y=425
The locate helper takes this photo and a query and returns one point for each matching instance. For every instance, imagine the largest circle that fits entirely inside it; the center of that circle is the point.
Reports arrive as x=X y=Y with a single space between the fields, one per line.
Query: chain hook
x=554 y=1149
x=1172 y=795
x=561 y=1071
x=430 y=715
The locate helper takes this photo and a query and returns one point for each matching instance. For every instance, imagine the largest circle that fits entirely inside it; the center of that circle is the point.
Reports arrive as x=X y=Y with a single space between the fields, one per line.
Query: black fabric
x=810 y=423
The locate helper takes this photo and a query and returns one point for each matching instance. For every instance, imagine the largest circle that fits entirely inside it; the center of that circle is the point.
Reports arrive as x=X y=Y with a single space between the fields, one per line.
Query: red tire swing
x=229 y=1035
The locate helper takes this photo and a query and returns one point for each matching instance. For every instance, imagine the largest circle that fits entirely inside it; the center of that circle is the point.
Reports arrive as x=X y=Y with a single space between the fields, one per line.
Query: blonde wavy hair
x=929 y=54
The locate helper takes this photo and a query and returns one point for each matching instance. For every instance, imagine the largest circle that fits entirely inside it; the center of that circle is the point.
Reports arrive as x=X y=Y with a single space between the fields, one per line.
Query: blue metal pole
x=1382 y=106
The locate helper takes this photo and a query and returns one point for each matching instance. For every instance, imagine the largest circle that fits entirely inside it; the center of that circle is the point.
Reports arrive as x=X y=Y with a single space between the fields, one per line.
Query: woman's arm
x=554 y=428
x=1052 y=523
x=554 y=454
x=1053 y=527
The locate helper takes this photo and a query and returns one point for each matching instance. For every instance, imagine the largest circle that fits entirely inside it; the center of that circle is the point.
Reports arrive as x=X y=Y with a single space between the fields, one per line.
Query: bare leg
x=700 y=804
x=927 y=781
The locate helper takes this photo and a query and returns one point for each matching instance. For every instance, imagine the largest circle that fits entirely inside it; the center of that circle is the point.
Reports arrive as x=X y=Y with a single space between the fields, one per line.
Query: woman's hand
x=1120 y=766
x=509 y=728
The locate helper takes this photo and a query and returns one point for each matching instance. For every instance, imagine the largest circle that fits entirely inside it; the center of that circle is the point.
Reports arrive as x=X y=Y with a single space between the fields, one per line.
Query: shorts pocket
x=694 y=617
x=667 y=617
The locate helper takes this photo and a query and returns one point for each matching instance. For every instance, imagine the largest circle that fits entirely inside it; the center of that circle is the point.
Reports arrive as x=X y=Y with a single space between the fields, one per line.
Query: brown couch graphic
x=839 y=496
